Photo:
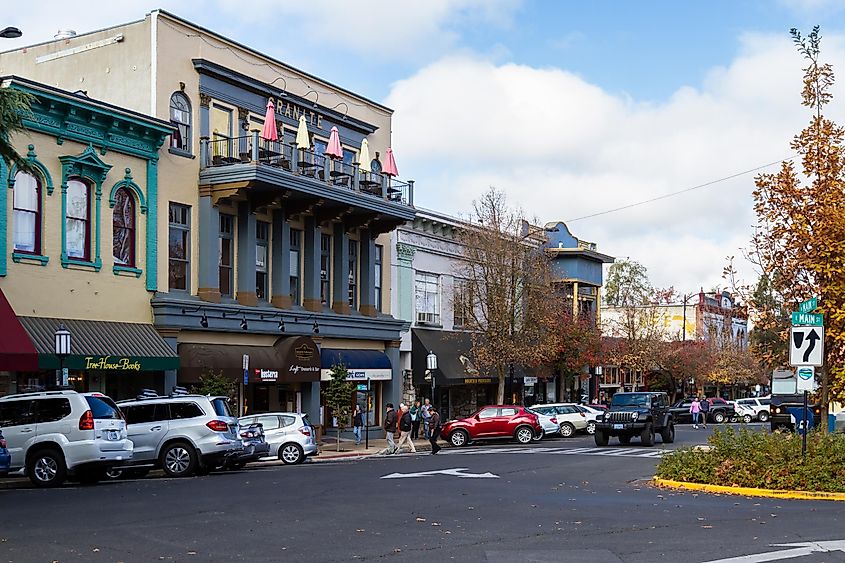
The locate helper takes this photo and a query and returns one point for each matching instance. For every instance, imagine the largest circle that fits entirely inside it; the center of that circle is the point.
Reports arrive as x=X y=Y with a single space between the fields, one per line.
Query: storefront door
x=260 y=399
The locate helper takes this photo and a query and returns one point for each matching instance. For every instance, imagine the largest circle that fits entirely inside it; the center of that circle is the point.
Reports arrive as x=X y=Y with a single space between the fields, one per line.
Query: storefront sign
x=528 y=380
x=292 y=111
x=296 y=369
x=477 y=380
x=267 y=375
x=111 y=363
x=361 y=375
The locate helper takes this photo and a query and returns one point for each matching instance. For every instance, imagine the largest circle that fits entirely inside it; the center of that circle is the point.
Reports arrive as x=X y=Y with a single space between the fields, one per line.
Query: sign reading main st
x=806 y=346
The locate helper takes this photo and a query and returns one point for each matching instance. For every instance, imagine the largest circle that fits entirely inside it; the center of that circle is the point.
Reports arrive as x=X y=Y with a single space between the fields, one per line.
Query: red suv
x=497 y=421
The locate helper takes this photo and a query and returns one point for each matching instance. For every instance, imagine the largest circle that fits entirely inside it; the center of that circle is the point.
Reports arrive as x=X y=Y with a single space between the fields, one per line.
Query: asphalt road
x=559 y=500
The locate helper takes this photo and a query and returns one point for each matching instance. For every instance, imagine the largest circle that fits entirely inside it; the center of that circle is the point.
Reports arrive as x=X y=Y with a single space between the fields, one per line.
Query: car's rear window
x=103 y=407
x=221 y=406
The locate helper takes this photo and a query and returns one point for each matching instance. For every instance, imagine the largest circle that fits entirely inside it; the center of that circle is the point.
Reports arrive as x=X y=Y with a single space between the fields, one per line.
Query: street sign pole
x=804 y=434
x=367 y=419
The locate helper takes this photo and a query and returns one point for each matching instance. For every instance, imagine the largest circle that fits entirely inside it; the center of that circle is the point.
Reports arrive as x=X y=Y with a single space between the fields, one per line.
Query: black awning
x=101 y=345
x=454 y=358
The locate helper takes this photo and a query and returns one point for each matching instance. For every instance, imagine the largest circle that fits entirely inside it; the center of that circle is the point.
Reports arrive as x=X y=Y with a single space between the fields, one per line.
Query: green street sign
x=808 y=306
x=807 y=319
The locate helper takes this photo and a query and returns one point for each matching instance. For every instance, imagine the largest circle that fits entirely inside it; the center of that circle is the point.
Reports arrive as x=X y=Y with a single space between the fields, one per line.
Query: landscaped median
x=757 y=463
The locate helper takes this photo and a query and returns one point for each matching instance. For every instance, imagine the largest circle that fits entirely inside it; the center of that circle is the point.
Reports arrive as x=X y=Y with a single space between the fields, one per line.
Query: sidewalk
x=328 y=448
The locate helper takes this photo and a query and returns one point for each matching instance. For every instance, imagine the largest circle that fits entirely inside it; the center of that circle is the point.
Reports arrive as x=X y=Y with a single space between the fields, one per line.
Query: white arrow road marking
x=457 y=472
x=799 y=550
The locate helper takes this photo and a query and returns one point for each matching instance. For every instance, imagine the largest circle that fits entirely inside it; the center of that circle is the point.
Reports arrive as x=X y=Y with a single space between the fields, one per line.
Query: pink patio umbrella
x=390 y=164
x=334 y=149
x=270 y=131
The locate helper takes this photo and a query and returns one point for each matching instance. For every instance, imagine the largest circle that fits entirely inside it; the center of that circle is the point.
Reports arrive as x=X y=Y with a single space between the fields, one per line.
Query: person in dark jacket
x=704 y=405
x=434 y=423
x=416 y=418
x=405 y=426
x=390 y=428
x=357 y=423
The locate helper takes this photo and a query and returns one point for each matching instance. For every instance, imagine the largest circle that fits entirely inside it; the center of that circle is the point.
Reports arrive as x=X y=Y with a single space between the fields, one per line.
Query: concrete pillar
x=405 y=281
x=209 y=227
x=575 y=300
x=367 y=270
x=340 y=270
x=311 y=402
x=246 y=256
x=392 y=390
x=280 y=261
x=311 y=265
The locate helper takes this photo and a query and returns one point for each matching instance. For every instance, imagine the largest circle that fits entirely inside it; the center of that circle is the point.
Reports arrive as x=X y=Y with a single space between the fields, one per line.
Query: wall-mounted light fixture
x=316 y=94
x=203 y=320
x=285 y=87
x=346 y=112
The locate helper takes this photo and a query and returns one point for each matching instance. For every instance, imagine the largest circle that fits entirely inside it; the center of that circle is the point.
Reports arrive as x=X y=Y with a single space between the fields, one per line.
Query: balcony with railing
x=254 y=159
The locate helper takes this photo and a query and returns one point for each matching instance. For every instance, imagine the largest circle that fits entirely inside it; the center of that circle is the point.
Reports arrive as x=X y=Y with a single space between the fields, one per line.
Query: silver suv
x=290 y=435
x=182 y=434
x=54 y=435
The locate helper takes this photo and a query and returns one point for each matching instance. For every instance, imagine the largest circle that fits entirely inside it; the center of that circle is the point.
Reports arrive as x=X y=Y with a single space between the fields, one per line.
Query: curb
x=748 y=491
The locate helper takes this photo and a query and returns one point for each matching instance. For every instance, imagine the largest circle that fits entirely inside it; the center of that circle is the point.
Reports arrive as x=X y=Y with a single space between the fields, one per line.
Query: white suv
x=183 y=434
x=760 y=406
x=54 y=435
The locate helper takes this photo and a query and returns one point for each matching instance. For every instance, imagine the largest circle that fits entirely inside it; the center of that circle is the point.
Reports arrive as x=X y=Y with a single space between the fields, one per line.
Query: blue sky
x=570 y=107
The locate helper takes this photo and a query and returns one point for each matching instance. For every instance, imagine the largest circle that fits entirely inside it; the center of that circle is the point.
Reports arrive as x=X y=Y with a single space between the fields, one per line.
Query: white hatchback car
x=548 y=423
x=569 y=417
x=54 y=435
x=291 y=436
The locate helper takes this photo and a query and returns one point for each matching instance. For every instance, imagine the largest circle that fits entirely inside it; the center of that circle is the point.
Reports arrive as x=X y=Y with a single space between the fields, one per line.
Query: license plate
x=618 y=426
x=112 y=435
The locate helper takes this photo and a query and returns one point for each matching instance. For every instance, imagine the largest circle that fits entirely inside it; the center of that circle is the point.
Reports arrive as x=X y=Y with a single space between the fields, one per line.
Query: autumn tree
x=512 y=309
x=14 y=106
x=579 y=345
x=800 y=243
x=338 y=397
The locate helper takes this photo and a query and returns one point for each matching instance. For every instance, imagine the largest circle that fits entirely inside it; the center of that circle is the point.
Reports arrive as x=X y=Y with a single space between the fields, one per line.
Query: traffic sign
x=806 y=346
x=807 y=319
x=806 y=379
x=809 y=305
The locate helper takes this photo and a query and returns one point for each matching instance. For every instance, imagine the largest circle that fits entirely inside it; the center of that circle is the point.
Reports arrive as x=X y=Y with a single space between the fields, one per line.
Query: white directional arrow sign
x=806 y=346
x=457 y=472
x=797 y=550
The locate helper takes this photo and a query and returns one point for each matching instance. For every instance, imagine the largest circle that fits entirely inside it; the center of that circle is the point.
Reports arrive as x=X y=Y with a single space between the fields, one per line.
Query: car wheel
x=746 y=419
x=459 y=438
x=566 y=429
x=668 y=434
x=763 y=416
x=524 y=435
x=600 y=438
x=625 y=439
x=718 y=417
x=46 y=468
x=591 y=427
x=178 y=460
x=647 y=435
x=291 y=454
x=539 y=435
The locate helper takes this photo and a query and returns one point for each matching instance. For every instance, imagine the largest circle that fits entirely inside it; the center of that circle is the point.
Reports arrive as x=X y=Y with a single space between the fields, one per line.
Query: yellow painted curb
x=748 y=491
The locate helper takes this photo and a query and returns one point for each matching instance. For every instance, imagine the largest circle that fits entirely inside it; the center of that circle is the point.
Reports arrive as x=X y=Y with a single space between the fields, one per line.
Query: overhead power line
x=679 y=192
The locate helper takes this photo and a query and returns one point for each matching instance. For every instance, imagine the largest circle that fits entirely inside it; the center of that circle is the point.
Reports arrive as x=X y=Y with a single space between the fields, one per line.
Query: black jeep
x=636 y=414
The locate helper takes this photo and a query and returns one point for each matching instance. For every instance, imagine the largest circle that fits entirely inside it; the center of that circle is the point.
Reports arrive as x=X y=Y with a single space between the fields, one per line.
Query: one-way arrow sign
x=797 y=550
x=457 y=472
x=806 y=346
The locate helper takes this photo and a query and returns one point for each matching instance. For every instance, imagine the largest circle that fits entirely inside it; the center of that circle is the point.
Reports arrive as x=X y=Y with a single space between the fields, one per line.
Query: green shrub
x=748 y=458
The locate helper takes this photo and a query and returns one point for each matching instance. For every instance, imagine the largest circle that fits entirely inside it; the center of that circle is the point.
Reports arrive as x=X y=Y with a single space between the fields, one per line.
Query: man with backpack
x=390 y=428
x=405 y=426
x=435 y=429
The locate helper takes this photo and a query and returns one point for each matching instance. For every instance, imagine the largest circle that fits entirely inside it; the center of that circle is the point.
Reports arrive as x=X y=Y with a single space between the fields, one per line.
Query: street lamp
x=62 y=349
x=11 y=33
x=430 y=366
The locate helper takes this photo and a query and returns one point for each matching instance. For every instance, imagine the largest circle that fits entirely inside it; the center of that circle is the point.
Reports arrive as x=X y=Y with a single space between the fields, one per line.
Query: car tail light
x=554 y=420
x=86 y=421
x=217 y=425
x=582 y=414
x=305 y=430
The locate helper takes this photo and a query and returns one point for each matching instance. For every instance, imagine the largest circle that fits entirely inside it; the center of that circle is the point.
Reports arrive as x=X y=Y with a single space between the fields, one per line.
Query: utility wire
x=679 y=192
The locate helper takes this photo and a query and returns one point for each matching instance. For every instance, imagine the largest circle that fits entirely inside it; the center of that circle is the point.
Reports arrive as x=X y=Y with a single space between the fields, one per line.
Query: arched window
x=180 y=118
x=123 y=228
x=78 y=220
x=27 y=214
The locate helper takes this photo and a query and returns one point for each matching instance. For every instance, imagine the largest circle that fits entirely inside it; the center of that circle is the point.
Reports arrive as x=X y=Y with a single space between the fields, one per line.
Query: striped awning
x=101 y=345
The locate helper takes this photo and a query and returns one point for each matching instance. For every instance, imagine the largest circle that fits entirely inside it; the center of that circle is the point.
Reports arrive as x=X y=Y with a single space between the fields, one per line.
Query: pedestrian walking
x=434 y=423
x=426 y=416
x=704 y=406
x=405 y=426
x=357 y=423
x=390 y=428
x=416 y=418
x=695 y=410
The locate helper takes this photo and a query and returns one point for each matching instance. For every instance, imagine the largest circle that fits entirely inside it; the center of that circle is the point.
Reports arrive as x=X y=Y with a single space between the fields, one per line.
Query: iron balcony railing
x=252 y=149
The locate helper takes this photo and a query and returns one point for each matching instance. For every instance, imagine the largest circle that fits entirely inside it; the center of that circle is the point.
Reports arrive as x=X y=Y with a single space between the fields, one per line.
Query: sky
x=571 y=108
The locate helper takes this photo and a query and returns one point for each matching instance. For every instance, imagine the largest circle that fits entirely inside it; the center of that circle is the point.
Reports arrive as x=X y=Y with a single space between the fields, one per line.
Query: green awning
x=102 y=345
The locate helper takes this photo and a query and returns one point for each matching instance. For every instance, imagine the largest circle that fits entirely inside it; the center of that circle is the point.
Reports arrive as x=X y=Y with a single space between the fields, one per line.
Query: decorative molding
x=19 y=257
x=127 y=270
x=422 y=241
x=32 y=157
x=205 y=100
x=132 y=187
x=405 y=252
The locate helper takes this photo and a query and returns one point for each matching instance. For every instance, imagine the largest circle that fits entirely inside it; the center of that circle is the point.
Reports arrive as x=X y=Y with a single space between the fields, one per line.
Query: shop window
x=123 y=228
x=262 y=246
x=78 y=220
x=427 y=298
x=222 y=126
x=180 y=118
x=377 y=275
x=226 y=259
x=460 y=302
x=179 y=247
x=349 y=156
x=27 y=214
x=353 y=274
x=325 y=269
x=295 y=238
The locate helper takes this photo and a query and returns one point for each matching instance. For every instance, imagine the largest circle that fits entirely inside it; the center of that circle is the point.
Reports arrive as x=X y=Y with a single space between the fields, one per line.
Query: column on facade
x=311 y=263
x=280 y=261
x=405 y=281
x=209 y=227
x=367 y=269
x=340 y=270
x=246 y=294
x=575 y=299
x=392 y=390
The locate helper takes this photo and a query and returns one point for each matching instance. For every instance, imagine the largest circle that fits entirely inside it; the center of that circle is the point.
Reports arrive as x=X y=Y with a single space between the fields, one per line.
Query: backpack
x=405 y=422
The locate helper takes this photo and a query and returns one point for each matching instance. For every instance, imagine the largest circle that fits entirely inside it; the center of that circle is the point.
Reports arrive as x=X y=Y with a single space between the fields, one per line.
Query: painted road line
x=798 y=550
x=456 y=472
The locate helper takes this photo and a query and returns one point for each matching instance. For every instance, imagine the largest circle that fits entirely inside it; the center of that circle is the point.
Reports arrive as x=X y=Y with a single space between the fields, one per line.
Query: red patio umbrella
x=270 y=131
x=390 y=164
x=334 y=149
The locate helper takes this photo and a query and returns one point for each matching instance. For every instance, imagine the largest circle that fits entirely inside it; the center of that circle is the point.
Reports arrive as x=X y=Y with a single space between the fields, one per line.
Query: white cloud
x=563 y=148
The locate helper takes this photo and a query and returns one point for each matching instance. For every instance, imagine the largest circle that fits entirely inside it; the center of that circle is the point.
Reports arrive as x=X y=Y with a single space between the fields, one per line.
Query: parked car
x=255 y=446
x=760 y=406
x=182 y=434
x=592 y=417
x=719 y=412
x=5 y=457
x=743 y=413
x=548 y=423
x=290 y=435
x=495 y=421
x=569 y=417
x=56 y=435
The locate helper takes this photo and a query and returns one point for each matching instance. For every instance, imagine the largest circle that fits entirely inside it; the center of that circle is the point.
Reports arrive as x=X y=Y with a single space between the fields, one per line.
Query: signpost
x=806 y=346
x=809 y=305
x=807 y=319
x=806 y=351
x=243 y=386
